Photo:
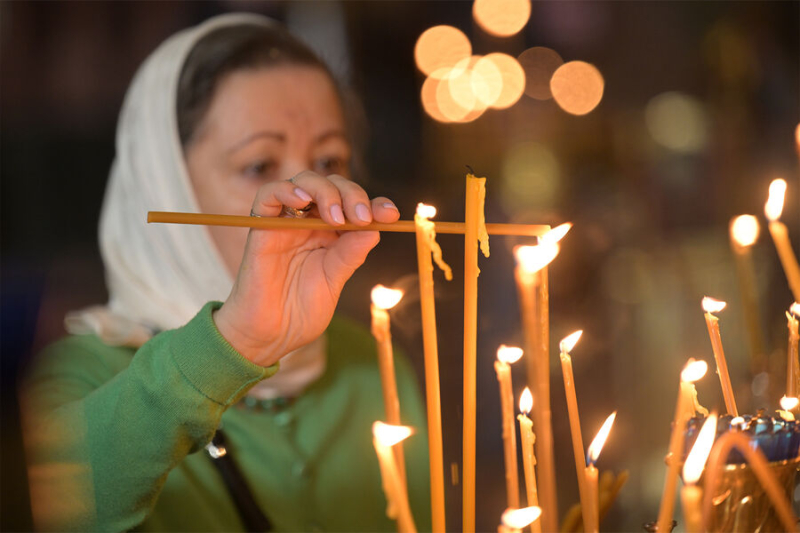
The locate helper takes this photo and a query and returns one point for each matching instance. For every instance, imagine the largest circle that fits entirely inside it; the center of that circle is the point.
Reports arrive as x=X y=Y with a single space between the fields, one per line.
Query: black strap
x=254 y=520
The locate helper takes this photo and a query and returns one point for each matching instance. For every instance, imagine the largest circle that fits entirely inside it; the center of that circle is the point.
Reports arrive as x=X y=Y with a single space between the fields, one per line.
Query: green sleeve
x=103 y=435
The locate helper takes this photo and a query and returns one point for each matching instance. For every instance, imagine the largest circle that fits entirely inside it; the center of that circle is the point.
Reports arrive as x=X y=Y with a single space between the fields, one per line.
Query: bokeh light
x=577 y=87
x=440 y=47
x=530 y=177
x=539 y=63
x=501 y=18
x=513 y=79
x=677 y=121
x=487 y=81
x=430 y=101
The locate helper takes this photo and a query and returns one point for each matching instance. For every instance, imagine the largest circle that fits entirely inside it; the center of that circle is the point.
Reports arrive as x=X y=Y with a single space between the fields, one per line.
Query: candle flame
x=737 y=422
x=534 y=258
x=526 y=401
x=745 y=230
x=388 y=434
x=556 y=234
x=520 y=518
x=795 y=309
x=693 y=371
x=508 y=354
x=710 y=305
x=597 y=444
x=569 y=342
x=696 y=460
x=774 y=206
x=384 y=297
x=426 y=211
x=789 y=402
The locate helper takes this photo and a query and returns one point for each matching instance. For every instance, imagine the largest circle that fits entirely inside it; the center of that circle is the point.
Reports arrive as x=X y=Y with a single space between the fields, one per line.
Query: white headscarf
x=160 y=275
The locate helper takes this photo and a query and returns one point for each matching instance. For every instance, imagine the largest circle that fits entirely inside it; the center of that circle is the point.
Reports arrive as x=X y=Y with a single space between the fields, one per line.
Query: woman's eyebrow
x=257 y=135
x=324 y=136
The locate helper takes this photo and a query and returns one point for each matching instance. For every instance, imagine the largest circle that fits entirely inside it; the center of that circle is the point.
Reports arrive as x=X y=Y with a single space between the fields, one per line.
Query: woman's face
x=263 y=125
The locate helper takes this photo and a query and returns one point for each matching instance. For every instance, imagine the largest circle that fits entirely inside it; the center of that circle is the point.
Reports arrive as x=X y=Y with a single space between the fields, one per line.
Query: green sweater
x=116 y=436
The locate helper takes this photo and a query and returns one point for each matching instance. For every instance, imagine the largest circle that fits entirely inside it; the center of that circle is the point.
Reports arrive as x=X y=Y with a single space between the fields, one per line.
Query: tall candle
x=693 y=371
x=532 y=284
x=591 y=474
x=385 y=436
x=793 y=364
x=513 y=520
x=691 y=494
x=528 y=457
x=780 y=235
x=744 y=231
x=506 y=355
x=474 y=229
x=714 y=306
x=566 y=346
x=428 y=249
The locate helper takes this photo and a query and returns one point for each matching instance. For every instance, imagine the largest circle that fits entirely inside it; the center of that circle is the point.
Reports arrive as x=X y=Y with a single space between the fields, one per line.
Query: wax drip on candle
x=424 y=213
x=483 y=235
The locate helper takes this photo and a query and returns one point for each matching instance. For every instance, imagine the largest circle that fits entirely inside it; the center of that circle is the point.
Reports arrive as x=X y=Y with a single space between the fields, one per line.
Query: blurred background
x=669 y=119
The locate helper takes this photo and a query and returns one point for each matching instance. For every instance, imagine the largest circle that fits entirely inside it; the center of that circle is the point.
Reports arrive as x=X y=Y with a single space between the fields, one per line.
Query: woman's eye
x=259 y=169
x=330 y=165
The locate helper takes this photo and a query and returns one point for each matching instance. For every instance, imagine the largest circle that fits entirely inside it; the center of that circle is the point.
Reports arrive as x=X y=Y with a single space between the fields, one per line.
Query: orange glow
x=774 y=205
x=440 y=47
x=788 y=403
x=486 y=81
x=597 y=444
x=693 y=371
x=795 y=309
x=534 y=258
x=388 y=434
x=501 y=18
x=696 y=460
x=384 y=297
x=569 y=342
x=520 y=518
x=429 y=97
x=744 y=230
x=556 y=234
x=508 y=354
x=461 y=84
x=526 y=401
x=710 y=305
x=539 y=64
x=577 y=87
x=797 y=136
x=512 y=78
x=426 y=211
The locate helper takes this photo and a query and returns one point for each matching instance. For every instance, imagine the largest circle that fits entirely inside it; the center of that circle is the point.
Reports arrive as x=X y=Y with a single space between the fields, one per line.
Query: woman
x=233 y=116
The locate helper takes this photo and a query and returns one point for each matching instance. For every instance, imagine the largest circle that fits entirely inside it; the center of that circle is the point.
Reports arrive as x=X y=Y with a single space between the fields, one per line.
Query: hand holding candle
x=506 y=355
x=780 y=235
x=710 y=306
x=591 y=474
x=528 y=457
x=691 y=494
x=385 y=436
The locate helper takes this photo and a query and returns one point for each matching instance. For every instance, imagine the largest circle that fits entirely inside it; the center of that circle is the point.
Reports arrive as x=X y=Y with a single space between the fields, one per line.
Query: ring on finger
x=293 y=212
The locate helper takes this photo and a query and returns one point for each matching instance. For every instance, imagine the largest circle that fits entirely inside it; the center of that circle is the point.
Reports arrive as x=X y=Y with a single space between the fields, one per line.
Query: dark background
x=650 y=236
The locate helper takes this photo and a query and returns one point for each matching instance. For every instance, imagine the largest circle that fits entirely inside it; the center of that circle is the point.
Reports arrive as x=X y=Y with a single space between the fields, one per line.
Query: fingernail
x=303 y=195
x=336 y=214
x=390 y=205
x=363 y=213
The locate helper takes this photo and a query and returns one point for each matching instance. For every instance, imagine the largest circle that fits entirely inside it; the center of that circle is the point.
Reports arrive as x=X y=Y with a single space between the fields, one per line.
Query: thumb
x=346 y=254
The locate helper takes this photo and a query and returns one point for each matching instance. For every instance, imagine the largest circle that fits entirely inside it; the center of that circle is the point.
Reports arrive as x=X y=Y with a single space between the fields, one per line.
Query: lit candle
x=693 y=371
x=385 y=436
x=528 y=457
x=793 y=364
x=691 y=494
x=714 y=306
x=428 y=250
x=744 y=231
x=591 y=474
x=780 y=235
x=566 y=346
x=532 y=284
x=788 y=404
x=513 y=520
x=474 y=230
x=506 y=355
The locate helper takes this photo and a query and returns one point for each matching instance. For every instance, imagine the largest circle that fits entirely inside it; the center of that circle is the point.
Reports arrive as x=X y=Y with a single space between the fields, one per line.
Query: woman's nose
x=294 y=166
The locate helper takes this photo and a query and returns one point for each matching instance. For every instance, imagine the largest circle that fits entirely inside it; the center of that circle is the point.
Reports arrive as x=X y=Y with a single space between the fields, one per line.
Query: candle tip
x=597 y=444
x=795 y=309
x=696 y=460
x=710 y=305
x=693 y=371
x=509 y=354
x=569 y=342
x=788 y=403
x=526 y=401
x=744 y=230
x=388 y=434
x=520 y=518
x=774 y=206
x=384 y=297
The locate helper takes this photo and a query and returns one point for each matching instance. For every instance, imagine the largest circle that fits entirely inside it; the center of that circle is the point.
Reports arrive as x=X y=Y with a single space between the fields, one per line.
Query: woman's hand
x=289 y=281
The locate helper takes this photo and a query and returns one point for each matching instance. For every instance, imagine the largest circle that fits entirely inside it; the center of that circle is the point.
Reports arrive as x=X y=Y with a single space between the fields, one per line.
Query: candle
x=513 y=520
x=384 y=299
x=532 y=284
x=428 y=250
x=693 y=371
x=788 y=404
x=591 y=474
x=566 y=346
x=755 y=458
x=691 y=494
x=474 y=230
x=744 y=231
x=793 y=364
x=385 y=436
x=506 y=355
x=780 y=235
x=528 y=457
x=714 y=306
